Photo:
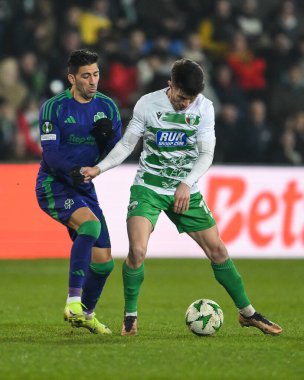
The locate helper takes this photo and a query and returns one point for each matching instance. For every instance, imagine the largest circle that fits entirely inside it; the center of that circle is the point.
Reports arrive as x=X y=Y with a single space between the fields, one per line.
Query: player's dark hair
x=187 y=76
x=80 y=58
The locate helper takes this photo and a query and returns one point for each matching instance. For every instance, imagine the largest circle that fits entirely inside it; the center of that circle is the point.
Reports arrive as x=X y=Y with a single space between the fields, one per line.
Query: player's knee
x=91 y=228
x=218 y=253
x=137 y=254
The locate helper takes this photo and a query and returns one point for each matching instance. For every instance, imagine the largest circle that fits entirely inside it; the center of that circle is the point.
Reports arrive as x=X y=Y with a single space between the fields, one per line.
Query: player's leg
x=100 y=266
x=66 y=206
x=227 y=275
x=139 y=230
x=143 y=211
x=99 y=270
x=87 y=228
x=200 y=225
x=223 y=267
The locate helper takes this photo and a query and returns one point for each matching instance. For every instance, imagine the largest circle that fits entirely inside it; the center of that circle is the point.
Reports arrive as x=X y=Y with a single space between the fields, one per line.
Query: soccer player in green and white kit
x=177 y=125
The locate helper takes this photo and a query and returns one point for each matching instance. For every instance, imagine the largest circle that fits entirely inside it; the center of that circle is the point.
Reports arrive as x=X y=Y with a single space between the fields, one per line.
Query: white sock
x=133 y=314
x=88 y=315
x=73 y=299
x=247 y=311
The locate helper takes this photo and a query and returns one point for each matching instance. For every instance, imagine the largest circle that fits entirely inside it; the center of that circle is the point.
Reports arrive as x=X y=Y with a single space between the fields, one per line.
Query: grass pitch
x=35 y=343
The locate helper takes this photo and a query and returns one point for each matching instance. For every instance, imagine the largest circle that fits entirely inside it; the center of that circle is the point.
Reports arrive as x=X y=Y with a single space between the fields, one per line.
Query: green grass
x=35 y=343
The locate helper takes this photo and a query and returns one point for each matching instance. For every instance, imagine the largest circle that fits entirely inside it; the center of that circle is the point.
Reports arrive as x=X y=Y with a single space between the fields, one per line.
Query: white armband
x=202 y=164
x=120 y=152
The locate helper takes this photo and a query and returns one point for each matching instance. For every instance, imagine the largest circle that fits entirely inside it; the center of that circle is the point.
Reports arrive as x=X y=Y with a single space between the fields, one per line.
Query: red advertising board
x=259 y=211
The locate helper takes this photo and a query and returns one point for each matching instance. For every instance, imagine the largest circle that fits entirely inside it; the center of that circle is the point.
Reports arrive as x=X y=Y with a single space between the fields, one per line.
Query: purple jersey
x=65 y=126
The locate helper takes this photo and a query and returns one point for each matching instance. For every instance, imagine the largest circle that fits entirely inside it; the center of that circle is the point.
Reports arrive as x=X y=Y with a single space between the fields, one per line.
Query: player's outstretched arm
x=89 y=173
x=118 y=154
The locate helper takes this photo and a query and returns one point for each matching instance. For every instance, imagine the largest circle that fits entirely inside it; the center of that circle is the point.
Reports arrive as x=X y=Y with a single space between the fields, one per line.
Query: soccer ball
x=204 y=317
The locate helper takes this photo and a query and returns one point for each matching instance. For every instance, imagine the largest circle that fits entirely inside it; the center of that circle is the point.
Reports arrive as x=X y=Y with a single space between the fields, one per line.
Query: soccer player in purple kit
x=78 y=127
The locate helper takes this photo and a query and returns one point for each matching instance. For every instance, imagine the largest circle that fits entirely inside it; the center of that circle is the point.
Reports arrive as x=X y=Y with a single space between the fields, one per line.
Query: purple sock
x=80 y=260
x=74 y=292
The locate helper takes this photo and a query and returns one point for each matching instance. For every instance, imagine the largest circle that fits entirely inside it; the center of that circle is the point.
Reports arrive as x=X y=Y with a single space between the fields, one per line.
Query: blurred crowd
x=252 y=52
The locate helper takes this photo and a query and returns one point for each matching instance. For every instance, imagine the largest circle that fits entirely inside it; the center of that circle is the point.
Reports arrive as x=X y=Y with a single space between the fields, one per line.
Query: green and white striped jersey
x=169 y=139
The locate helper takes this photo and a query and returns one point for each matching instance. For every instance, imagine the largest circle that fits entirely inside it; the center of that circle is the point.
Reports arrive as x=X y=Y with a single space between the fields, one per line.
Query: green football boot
x=92 y=324
x=73 y=312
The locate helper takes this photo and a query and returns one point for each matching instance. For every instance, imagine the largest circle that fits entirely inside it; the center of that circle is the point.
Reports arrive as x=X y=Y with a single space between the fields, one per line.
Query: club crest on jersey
x=99 y=115
x=190 y=119
x=47 y=127
x=171 y=138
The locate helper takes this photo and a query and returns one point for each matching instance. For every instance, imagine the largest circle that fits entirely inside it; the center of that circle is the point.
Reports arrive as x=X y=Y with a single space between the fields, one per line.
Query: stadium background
x=253 y=55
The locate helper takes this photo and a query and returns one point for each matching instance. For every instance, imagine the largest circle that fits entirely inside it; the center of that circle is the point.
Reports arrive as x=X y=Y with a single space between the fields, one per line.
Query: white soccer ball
x=204 y=317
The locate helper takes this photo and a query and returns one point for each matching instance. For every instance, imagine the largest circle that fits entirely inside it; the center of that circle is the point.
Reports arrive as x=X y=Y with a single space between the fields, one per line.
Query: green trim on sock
x=132 y=280
x=103 y=268
x=91 y=228
x=228 y=276
x=130 y=270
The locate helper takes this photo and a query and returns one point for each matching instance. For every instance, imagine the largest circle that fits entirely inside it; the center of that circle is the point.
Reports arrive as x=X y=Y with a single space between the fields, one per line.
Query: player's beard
x=177 y=106
x=89 y=94
x=86 y=94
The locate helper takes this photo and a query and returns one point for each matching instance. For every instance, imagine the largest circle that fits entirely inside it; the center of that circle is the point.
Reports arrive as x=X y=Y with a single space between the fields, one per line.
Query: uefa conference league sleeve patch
x=47 y=128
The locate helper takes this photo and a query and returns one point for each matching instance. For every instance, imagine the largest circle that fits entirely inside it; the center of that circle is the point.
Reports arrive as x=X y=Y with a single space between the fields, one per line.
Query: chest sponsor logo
x=170 y=138
x=78 y=140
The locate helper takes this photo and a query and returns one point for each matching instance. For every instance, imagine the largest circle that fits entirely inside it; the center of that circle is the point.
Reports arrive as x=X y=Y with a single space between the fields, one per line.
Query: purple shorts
x=60 y=200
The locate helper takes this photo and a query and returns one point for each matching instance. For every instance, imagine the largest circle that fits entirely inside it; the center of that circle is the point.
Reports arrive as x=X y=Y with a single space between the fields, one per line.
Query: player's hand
x=181 y=198
x=90 y=172
x=77 y=176
x=102 y=131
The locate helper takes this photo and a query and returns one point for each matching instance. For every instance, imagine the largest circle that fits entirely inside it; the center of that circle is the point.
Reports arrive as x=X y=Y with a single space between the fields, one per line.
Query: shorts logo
x=47 y=127
x=68 y=203
x=132 y=205
x=167 y=138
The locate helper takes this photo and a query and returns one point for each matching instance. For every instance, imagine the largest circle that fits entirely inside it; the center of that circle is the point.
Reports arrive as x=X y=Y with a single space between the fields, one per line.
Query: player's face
x=85 y=82
x=178 y=98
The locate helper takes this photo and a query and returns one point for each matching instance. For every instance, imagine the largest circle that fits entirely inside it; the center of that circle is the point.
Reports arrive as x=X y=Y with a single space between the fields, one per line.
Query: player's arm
x=117 y=129
x=50 y=142
x=124 y=147
x=203 y=162
x=107 y=131
x=118 y=154
x=205 y=146
x=50 y=136
x=201 y=165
